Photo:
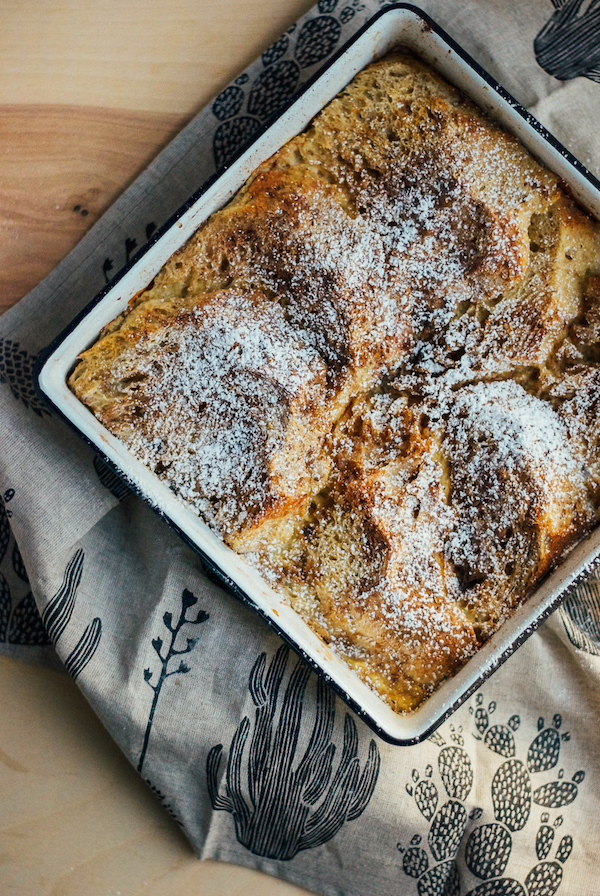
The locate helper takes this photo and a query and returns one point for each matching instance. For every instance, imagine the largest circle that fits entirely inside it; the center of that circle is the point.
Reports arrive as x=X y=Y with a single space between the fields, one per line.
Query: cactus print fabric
x=568 y=46
x=310 y=801
x=486 y=846
x=245 y=748
x=20 y=622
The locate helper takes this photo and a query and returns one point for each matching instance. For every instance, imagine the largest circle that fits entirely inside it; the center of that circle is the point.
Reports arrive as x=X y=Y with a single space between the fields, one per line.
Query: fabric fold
x=249 y=753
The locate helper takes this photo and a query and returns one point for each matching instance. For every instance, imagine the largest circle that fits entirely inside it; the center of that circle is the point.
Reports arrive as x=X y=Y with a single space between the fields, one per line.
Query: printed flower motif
x=188 y=600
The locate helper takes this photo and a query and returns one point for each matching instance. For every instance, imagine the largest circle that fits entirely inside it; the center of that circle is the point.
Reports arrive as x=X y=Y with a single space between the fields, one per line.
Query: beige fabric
x=502 y=799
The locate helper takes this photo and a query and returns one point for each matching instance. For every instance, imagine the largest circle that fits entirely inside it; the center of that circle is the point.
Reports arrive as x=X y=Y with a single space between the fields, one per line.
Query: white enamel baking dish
x=401 y=24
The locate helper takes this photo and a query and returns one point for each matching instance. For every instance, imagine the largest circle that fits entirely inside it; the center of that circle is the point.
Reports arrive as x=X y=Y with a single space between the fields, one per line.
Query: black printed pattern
x=25 y=627
x=276 y=51
x=129 y=246
x=165 y=802
x=85 y=648
x=20 y=621
x=447 y=826
x=5 y=607
x=5 y=513
x=289 y=806
x=272 y=88
x=18 y=565
x=488 y=846
x=110 y=479
x=58 y=611
x=228 y=103
x=16 y=370
x=216 y=576
x=241 y=112
x=347 y=13
x=231 y=136
x=188 y=600
x=317 y=40
x=327 y=6
x=57 y=616
x=568 y=46
x=580 y=615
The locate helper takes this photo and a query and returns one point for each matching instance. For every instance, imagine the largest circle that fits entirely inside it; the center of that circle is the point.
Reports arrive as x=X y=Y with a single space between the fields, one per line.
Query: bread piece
x=576 y=397
x=368 y=570
x=291 y=235
x=521 y=328
x=451 y=193
x=440 y=516
x=223 y=402
x=519 y=494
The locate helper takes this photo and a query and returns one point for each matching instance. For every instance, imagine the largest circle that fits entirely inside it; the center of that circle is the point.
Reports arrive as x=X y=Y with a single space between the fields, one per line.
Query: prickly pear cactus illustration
x=513 y=798
x=447 y=823
x=273 y=87
x=485 y=848
x=246 y=104
x=568 y=46
x=276 y=51
x=290 y=802
x=317 y=39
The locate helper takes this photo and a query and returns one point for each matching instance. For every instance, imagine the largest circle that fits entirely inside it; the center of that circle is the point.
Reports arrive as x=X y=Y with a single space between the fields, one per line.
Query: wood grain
x=77 y=820
x=148 y=55
x=61 y=167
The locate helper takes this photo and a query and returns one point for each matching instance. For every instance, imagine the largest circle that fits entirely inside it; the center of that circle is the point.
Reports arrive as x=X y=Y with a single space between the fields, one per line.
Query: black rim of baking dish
x=430 y=25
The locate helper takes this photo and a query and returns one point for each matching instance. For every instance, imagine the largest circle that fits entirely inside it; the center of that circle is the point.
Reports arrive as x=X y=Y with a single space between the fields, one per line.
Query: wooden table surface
x=89 y=93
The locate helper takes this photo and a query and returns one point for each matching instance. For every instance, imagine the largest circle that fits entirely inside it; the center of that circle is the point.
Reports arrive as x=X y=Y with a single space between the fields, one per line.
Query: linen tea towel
x=246 y=750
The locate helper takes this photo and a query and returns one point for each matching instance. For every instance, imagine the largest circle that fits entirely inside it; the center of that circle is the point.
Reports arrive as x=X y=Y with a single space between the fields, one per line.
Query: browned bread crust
x=376 y=374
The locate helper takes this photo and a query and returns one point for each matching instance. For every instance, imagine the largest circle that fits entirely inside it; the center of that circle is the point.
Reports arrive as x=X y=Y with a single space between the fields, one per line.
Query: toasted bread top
x=376 y=373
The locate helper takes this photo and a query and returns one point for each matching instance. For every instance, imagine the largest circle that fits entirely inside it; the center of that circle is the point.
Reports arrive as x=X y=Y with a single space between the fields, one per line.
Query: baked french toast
x=376 y=374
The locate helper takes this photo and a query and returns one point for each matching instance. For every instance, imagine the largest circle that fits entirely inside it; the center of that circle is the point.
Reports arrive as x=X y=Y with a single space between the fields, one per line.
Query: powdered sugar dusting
x=213 y=393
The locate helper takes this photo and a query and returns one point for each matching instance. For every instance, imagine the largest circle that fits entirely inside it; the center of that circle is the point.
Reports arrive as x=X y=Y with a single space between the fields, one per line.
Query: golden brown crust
x=376 y=373
x=222 y=401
